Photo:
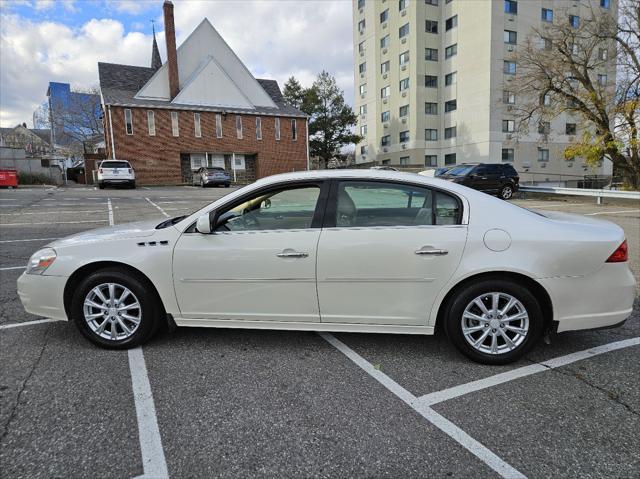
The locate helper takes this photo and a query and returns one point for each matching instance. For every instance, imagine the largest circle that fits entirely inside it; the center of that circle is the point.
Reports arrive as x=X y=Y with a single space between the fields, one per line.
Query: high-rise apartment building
x=432 y=85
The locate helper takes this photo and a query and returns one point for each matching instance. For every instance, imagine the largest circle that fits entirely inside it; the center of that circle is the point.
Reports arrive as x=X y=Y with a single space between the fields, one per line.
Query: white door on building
x=215 y=160
x=198 y=160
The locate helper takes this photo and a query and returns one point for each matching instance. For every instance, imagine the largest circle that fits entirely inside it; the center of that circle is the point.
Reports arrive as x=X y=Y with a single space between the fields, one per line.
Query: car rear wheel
x=506 y=192
x=494 y=321
x=115 y=310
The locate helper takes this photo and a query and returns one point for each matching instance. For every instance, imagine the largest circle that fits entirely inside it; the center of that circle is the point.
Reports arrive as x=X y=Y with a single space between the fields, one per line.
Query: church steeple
x=156 y=62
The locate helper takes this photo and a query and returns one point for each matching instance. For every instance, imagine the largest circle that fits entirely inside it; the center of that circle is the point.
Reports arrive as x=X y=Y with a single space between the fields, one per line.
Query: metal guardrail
x=598 y=194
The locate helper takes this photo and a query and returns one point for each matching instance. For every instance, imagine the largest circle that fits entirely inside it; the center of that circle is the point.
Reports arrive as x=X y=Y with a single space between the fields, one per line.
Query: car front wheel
x=114 y=309
x=494 y=321
x=506 y=192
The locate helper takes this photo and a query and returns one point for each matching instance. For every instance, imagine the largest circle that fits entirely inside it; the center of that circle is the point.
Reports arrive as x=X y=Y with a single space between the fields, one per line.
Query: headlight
x=40 y=261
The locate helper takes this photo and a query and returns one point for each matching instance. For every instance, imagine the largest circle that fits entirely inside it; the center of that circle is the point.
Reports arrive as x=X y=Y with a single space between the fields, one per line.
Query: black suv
x=497 y=178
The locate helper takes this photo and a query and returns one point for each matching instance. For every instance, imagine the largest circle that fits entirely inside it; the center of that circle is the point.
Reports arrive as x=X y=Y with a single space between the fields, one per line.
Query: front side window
x=128 y=122
x=218 y=125
x=196 y=125
x=175 y=128
x=279 y=210
x=151 y=122
x=378 y=204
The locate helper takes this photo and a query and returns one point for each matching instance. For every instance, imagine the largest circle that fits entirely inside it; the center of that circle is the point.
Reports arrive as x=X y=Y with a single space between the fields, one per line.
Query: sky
x=63 y=41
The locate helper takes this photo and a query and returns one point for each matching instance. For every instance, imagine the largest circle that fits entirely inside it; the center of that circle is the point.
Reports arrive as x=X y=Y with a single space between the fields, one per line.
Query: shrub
x=25 y=178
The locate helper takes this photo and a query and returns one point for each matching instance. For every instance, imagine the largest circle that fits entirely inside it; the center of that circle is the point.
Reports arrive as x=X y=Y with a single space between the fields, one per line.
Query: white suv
x=116 y=172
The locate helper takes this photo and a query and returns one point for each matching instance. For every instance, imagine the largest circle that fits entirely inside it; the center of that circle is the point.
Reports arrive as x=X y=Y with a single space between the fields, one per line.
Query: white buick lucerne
x=360 y=251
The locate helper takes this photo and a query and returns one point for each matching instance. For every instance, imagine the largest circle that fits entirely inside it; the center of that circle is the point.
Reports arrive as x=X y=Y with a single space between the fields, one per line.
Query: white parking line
x=12 y=267
x=153 y=461
x=52 y=212
x=454 y=432
x=161 y=210
x=110 y=209
x=612 y=212
x=28 y=323
x=57 y=223
x=30 y=239
x=461 y=390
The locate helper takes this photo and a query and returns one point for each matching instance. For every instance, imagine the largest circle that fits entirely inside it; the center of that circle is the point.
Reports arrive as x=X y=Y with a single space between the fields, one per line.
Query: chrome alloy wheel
x=507 y=192
x=112 y=311
x=495 y=323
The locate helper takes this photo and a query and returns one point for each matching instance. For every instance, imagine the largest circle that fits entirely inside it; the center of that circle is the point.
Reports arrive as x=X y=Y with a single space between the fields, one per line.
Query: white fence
x=598 y=194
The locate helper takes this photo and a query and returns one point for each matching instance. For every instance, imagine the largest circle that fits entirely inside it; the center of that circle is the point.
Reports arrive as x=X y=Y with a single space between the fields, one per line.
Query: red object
x=620 y=255
x=8 y=177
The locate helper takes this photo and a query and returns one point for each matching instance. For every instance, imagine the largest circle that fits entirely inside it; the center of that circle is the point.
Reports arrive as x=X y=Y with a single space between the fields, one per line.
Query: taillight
x=620 y=255
x=129 y=170
x=100 y=170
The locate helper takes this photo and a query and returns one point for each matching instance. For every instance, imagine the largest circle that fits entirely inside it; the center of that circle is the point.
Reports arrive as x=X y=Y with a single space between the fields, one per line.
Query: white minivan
x=116 y=172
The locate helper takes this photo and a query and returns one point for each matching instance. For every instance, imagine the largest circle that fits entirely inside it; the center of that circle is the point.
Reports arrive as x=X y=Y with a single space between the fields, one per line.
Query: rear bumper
x=43 y=295
x=217 y=181
x=599 y=300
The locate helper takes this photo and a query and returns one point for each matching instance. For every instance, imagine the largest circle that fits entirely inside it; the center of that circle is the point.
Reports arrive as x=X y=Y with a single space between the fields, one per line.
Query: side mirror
x=203 y=225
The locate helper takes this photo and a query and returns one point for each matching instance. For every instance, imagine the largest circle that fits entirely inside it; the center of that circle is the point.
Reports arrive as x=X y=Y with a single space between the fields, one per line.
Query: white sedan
x=361 y=251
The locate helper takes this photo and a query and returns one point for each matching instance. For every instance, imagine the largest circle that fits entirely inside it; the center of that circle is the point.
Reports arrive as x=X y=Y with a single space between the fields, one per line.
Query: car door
x=386 y=251
x=259 y=263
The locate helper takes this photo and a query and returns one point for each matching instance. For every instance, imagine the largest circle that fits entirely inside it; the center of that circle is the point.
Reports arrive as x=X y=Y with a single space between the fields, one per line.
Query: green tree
x=293 y=93
x=331 y=120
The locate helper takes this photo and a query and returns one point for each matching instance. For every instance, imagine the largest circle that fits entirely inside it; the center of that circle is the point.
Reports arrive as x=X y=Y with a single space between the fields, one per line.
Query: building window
x=404 y=160
x=431 y=26
x=404 y=84
x=363 y=88
x=431 y=54
x=450 y=78
x=511 y=6
x=385 y=92
x=404 y=111
x=404 y=136
x=196 y=125
x=602 y=80
x=508 y=97
x=507 y=155
x=570 y=129
x=386 y=162
x=508 y=126
x=574 y=21
x=431 y=81
x=404 y=30
x=364 y=150
x=431 y=2
x=509 y=67
x=545 y=99
x=430 y=160
x=430 y=108
x=575 y=48
x=431 y=134
x=510 y=37
x=546 y=15
x=175 y=128
x=604 y=3
x=151 y=122
x=450 y=159
x=384 y=16
x=385 y=41
x=603 y=53
x=361 y=25
x=239 y=127
x=385 y=140
x=544 y=128
x=402 y=4
x=450 y=132
x=546 y=44
x=385 y=116
x=360 y=4
x=384 y=68
x=451 y=50
x=294 y=130
x=258 y=128
x=451 y=23
x=450 y=105
x=218 y=125
x=128 y=122
x=277 y=125
x=363 y=130
x=362 y=67
x=363 y=110
x=404 y=58
x=361 y=47
x=543 y=155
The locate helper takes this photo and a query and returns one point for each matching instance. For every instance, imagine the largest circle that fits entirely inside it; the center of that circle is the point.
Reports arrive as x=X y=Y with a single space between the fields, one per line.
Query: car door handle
x=291 y=253
x=432 y=252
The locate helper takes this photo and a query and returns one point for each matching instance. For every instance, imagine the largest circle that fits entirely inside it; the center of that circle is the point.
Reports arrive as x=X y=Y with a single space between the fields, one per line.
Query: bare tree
x=590 y=70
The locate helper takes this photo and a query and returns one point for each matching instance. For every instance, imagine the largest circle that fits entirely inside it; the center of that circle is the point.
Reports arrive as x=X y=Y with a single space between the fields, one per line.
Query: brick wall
x=156 y=159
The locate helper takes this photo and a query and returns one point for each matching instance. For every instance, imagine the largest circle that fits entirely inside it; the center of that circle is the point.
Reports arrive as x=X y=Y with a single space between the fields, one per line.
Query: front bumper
x=599 y=300
x=43 y=295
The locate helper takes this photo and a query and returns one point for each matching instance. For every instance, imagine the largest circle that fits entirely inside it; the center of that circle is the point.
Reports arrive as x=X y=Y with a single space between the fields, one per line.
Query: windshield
x=460 y=170
x=114 y=164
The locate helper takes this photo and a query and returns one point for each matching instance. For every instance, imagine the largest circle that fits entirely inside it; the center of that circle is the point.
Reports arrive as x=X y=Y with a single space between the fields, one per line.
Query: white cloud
x=275 y=39
x=44 y=4
x=131 y=6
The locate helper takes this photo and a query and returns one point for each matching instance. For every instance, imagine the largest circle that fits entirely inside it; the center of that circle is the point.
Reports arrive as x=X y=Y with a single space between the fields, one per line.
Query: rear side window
x=370 y=204
x=509 y=170
x=115 y=164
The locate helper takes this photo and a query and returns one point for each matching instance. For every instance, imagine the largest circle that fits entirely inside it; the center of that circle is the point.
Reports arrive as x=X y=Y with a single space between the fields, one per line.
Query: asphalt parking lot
x=237 y=403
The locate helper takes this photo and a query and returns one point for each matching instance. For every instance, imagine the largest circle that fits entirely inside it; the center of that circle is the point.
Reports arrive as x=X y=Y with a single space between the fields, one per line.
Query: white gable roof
x=210 y=74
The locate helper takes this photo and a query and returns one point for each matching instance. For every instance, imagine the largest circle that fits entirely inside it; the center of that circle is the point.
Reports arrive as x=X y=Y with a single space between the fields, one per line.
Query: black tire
x=101 y=186
x=506 y=192
x=132 y=185
x=457 y=305
x=151 y=311
x=227 y=185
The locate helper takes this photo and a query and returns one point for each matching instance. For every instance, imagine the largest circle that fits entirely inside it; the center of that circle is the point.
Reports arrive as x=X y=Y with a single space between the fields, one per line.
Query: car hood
x=139 y=229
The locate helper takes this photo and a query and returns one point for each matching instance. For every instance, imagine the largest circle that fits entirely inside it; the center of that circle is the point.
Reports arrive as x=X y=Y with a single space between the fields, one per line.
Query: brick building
x=202 y=107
